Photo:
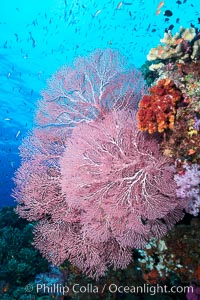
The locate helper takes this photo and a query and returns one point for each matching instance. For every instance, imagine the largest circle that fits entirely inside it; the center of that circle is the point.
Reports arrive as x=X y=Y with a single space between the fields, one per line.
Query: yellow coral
x=187 y=34
x=172 y=47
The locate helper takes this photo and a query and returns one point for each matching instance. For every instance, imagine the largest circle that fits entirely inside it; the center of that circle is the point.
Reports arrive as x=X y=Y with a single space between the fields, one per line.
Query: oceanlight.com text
x=112 y=288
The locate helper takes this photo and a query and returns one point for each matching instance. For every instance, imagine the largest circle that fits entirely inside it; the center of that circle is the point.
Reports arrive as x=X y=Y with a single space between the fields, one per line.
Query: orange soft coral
x=157 y=110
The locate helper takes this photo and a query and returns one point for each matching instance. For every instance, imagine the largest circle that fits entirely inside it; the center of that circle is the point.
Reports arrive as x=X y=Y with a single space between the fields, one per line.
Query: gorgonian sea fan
x=117 y=192
x=95 y=84
x=92 y=87
x=36 y=181
x=59 y=241
x=101 y=82
x=119 y=180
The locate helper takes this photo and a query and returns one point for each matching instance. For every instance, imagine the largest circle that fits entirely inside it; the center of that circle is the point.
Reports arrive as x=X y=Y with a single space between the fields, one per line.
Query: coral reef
x=175 y=256
x=183 y=143
x=183 y=46
x=147 y=73
x=19 y=260
x=183 y=140
x=157 y=111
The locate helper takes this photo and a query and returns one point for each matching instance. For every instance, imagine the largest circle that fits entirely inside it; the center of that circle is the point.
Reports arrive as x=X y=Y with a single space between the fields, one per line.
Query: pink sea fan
x=95 y=84
x=100 y=83
x=118 y=192
x=61 y=241
x=119 y=180
x=37 y=190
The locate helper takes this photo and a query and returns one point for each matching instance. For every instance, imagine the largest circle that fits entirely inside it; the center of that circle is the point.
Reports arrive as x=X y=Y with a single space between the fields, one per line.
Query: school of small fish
x=36 y=40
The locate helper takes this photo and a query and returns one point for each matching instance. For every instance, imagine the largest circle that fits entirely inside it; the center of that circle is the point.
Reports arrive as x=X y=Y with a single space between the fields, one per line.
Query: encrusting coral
x=182 y=142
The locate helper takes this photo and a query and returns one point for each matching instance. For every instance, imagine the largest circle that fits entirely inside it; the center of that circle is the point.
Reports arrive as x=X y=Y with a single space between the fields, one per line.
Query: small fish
x=35 y=22
x=12 y=163
x=127 y=3
x=18 y=133
x=177 y=20
x=17 y=39
x=168 y=13
x=198 y=21
x=97 y=13
x=178 y=2
x=33 y=42
x=160 y=5
x=171 y=27
x=161 y=51
x=153 y=30
x=158 y=10
x=119 y=5
x=179 y=41
x=167 y=19
x=191 y=151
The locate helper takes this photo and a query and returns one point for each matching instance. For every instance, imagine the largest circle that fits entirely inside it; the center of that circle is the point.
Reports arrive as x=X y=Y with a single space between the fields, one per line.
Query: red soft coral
x=157 y=110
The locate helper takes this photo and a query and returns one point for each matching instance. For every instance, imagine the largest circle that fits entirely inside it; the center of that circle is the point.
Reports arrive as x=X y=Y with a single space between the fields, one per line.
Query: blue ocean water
x=38 y=37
